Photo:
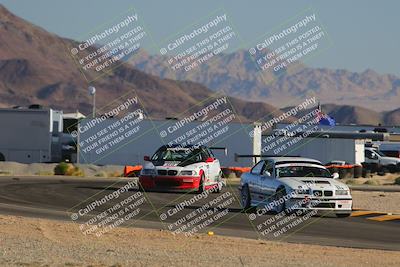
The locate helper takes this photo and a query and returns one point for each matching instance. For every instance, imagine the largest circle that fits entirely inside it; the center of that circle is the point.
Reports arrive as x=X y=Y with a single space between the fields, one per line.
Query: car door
x=203 y=158
x=371 y=157
x=267 y=182
x=254 y=182
x=214 y=167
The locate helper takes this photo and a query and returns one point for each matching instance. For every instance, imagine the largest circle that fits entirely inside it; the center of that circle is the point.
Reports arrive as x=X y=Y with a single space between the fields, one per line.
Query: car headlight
x=148 y=172
x=189 y=173
x=341 y=192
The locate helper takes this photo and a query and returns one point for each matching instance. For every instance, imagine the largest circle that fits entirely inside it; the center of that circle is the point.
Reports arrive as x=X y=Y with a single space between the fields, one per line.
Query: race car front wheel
x=278 y=198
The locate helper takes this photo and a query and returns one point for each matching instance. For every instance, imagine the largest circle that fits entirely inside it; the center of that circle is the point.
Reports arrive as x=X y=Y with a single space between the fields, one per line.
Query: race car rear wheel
x=202 y=186
x=245 y=198
x=219 y=184
x=219 y=187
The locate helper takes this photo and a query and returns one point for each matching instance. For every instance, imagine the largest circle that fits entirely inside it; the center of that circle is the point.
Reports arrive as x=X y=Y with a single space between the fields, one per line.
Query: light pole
x=92 y=91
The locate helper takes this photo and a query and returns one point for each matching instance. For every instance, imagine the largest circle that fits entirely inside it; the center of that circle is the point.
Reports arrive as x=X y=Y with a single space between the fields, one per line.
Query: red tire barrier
x=346 y=171
x=132 y=171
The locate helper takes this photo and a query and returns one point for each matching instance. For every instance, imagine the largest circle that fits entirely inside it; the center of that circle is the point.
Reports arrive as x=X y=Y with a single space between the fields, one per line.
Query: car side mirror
x=146 y=158
x=335 y=175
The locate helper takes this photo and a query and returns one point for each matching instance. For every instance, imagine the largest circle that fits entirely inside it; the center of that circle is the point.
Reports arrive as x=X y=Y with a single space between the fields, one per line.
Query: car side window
x=268 y=168
x=371 y=155
x=204 y=155
x=197 y=155
x=210 y=153
x=258 y=168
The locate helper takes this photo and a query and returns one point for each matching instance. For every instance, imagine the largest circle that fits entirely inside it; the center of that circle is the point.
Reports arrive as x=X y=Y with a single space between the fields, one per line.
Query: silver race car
x=293 y=183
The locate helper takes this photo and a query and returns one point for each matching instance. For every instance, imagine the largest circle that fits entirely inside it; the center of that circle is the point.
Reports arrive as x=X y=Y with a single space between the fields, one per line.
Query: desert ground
x=40 y=242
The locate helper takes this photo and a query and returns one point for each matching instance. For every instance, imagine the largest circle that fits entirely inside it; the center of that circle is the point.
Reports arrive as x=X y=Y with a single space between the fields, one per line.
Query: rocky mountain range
x=237 y=75
x=36 y=68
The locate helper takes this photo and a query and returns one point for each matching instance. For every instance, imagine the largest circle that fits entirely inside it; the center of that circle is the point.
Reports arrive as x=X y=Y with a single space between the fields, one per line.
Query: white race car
x=294 y=183
x=176 y=167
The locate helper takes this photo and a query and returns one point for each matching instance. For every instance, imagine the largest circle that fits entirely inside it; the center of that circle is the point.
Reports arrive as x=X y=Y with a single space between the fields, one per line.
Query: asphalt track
x=60 y=197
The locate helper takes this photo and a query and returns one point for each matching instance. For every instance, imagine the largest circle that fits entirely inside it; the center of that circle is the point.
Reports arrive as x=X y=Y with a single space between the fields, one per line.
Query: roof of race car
x=177 y=146
x=293 y=159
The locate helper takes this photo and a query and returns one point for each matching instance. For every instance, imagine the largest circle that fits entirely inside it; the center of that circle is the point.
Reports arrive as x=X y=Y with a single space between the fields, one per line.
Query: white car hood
x=173 y=165
x=314 y=183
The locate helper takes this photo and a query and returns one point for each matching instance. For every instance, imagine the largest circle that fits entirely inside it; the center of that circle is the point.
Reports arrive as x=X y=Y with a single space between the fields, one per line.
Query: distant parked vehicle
x=380 y=160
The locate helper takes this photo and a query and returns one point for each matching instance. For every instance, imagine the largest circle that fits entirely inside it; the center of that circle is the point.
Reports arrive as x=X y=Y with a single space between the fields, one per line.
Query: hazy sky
x=365 y=34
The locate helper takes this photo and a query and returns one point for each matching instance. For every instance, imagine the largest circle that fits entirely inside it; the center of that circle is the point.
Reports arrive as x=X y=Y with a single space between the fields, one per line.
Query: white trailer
x=320 y=147
x=329 y=149
x=30 y=135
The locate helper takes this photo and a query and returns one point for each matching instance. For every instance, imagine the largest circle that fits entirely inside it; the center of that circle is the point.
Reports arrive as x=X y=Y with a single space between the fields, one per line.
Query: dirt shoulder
x=377 y=201
x=39 y=242
x=47 y=169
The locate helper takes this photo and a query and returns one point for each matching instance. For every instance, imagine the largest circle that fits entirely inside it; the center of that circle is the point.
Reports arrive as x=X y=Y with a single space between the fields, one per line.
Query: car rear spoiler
x=237 y=156
x=220 y=148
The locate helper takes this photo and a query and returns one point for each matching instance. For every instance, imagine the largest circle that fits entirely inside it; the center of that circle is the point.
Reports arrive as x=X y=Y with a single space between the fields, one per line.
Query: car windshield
x=302 y=171
x=178 y=154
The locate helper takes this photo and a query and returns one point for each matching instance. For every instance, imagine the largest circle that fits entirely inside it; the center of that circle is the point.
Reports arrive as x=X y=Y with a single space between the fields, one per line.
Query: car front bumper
x=169 y=182
x=335 y=205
